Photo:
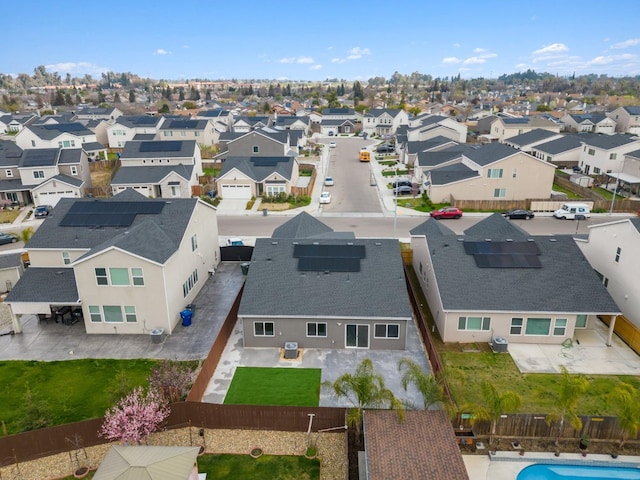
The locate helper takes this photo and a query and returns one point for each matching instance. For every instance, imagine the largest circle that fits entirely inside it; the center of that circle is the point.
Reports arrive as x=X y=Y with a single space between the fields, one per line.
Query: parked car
x=385 y=148
x=8 y=238
x=576 y=169
x=325 y=197
x=328 y=181
x=401 y=183
x=519 y=214
x=42 y=211
x=446 y=212
x=332 y=145
x=403 y=190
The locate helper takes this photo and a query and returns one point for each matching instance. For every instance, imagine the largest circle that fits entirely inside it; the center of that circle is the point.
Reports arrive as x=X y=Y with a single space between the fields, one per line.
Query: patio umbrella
x=124 y=462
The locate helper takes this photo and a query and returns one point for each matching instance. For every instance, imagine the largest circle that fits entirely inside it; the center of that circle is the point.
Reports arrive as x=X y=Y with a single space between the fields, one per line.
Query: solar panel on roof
x=507 y=261
x=40 y=157
x=325 y=264
x=108 y=214
x=157 y=146
x=143 y=120
x=267 y=161
x=324 y=251
x=183 y=124
x=501 y=247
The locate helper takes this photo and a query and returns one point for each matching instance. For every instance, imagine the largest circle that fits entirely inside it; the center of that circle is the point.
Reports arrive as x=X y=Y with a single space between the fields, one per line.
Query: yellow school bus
x=365 y=155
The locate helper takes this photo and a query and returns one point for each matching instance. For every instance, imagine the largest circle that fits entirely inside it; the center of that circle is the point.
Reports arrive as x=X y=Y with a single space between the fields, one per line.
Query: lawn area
x=466 y=371
x=569 y=193
x=8 y=216
x=281 y=467
x=66 y=391
x=275 y=386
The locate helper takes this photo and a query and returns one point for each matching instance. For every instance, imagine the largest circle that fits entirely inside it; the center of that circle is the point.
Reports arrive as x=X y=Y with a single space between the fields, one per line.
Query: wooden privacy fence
x=50 y=441
x=626 y=330
x=529 y=426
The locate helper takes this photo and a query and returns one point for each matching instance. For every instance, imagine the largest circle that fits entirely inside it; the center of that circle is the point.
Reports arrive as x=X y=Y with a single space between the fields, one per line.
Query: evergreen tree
x=132 y=96
x=116 y=98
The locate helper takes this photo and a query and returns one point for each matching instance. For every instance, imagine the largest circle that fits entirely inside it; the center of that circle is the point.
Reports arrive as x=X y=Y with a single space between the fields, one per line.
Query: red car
x=447 y=212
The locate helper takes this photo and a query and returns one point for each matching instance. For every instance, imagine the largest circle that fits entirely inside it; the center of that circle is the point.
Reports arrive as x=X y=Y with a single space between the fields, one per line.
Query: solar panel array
x=503 y=254
x=65 y=127
x=108 y=214
x=329 y=258
x=158 y=146
x=268 y=161
x=143 y=120
x=40 y=157
x=183 y=124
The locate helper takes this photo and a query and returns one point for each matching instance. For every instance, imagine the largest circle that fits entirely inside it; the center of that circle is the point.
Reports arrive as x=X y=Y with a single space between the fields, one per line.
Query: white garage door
x=241 y=191
x=52 y=198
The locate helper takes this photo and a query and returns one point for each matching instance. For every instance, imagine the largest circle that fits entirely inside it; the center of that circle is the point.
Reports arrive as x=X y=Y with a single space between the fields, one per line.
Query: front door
x=357 y=336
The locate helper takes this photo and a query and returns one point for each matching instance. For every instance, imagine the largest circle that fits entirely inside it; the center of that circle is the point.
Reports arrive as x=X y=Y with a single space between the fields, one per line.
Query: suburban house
x=202 y=131
x=409 y=151
x=55 y=135
x=628 y=178
x=492 y=171
x=496 y=280
x=258 y=143
x=98 y=113
x=254 y=176
x=329 y=127
x=359 y=298
x=428 y=126
x=383 y=121
x=561 y=152
x=128 y=127
x=159 y=169
x=291 y=123
x=339 y=114
x=627 y=119
x=526 y=142
x=244 y=124
x=16 y=122
x=222 y=119
x=503 y=128
x=612 y=250
x=589 y=123
x=605 y=153
x=11 y=268
x=42 y=176
x=93 y=259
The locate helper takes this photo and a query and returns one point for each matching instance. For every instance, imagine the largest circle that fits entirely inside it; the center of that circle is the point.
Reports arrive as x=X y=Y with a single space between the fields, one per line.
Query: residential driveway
x=55 y=341
x=232 y=206
x=332 y=362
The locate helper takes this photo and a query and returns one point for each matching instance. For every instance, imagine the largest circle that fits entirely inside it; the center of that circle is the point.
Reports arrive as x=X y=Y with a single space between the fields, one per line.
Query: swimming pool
x=577 y=472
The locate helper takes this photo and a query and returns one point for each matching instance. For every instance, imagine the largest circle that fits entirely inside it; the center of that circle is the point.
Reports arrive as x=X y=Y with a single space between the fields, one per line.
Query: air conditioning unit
x=157 y=335
x=499 y=344
x=291 y=350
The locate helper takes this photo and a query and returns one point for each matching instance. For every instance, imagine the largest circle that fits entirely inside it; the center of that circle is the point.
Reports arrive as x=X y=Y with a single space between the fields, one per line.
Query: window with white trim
x=613 y=156
x=101 y=276
x=256 y=149
x=66 y=259
x=316 y=329
x=474 y=323
x=499 y=192
x=275 y=189
x=112 y=314
x=130 y=314
x=618 y=253
x=538 y=326
x=8 y=172
x=137 y=277
x=74 y=170
x=516 y=326
x=581 y=321
x=386 y=330
x=591 y=152
x=560 y=327
x=95 y=313
x=263 y=329
x=119 y=277
x=514 y=174
x=194 y=242
x=38 y=174
x=494 y=173
x=190 y=283
x=168 y=133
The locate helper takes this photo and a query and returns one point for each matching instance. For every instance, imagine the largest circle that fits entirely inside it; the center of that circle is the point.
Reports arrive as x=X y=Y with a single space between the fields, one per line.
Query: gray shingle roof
x=302 y=225
x=13 y=186
x=338 y=111
x=451 y=174
x=607 y=142
x=10 y=260
x=184 y=124
x=144 y=136
x=258 y=173
x=426 y=145
x=54 y=130
x=563 y=144
x=489 y=153
x=636 y=223
x=588 y=117
x=76 y=182
x=41 y=157
x=93 y=146
x=10 y=153
x=172 y=222
x=149 y=174
x=45 y=285
x=334 y=123
x=274 y=286
x=139 y=121
x=433 y=159
x=70 y=156
x=535 y=135
x=159 y=149
x=464 y=286
x=633 y=110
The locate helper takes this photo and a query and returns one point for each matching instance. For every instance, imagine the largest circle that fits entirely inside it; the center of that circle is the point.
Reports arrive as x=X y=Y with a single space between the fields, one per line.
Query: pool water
x=577 y=472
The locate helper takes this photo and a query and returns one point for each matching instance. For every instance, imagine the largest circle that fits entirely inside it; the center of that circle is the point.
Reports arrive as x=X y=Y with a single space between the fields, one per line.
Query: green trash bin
x=245 y=268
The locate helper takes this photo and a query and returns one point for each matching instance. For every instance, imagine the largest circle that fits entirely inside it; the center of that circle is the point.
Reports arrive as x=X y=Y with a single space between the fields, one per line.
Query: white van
x=572 y=211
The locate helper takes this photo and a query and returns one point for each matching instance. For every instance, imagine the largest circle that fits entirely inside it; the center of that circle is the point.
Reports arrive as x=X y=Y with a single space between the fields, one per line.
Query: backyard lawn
x=275 y=386
x=64 y=392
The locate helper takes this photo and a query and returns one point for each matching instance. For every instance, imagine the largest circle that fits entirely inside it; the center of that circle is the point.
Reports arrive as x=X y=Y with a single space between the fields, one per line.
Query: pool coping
x=567 y=459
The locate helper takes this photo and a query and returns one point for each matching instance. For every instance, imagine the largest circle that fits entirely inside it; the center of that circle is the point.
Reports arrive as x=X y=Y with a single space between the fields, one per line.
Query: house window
x=474 y=323
x=38 y=174
x=137 y=277
x=94 y=313
x=613 y=156
x=596 y=170
x=74 y=170
x=548 y=158
x=618 y=253
x=119 y=276
x=194 y=242
x=386 y=330
x=130 y=314
x=196 y=134
x=316 y=329
x=560 y=327
x=516 y=326
x=581 y=321
x=59 y=144
x=112 y=314
x=8 y=173
x=256 y=149
x=591 y=152
x=168 y=133
x=101 y=276
x=538 y=326
x=183 y=134
x=499 y=192
x=190 y=283
x=33 y=143
x=263 y=329
x=514 y=174
x=175 y=191
x=275 y=189
x=605 y=282
x=66 y=258
x=494 y=173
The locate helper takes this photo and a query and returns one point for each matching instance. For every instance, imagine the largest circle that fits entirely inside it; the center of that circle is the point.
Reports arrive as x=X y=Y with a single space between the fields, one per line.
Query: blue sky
x=302 y=40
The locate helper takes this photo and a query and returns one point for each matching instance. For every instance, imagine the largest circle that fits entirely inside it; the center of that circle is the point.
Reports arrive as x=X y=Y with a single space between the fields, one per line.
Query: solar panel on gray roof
x=267 y=161
x=329 y=251
x=65 y=127
x=507 y=261
x=170 y=146
x=501 y=247
x=143 y=120
x=108 y=214
x=328 y=264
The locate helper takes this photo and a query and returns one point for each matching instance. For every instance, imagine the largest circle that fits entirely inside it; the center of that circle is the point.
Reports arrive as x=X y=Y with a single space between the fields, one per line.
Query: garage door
x=52 y=198
x=241 y=191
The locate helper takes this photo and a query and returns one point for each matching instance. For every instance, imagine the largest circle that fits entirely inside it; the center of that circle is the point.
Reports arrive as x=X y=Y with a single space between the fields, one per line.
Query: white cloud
x=287 y=60
x=450 y=60
x=456 y=45
x=77 y=68
x=474 y=61
x=161 y=51
x=338 y=60
x=356 y=53
x=186 y=47
x=631 y=42
x=303 y=60
x=315 y=67
x=299 y=60
x=554 y=48
x=609 y=59
x=360 y=51
x=478 y=50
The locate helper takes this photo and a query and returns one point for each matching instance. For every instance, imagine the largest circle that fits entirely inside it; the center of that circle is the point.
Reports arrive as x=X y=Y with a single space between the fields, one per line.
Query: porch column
x=16 y=321
x=612 y=324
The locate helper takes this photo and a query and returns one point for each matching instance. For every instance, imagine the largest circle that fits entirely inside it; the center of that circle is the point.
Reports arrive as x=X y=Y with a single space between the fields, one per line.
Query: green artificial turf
x=282 y=467
x=67 y=391
x=275 y=386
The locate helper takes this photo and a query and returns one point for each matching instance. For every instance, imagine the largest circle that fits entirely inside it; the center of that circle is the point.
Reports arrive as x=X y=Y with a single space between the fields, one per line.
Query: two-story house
x=383 y=121
x=244 y=124
x=589 y=123
x=603 y=154
x=159 y=169
x=627 y=119
x=528 y=141
x=492 y=171
x=202 y=131
x=16 y=122
x=503 y=128
x=128 y=127
x=126 y=264
x=427 y=126
x=55 y=135
x=108 y=114
x=561 y=152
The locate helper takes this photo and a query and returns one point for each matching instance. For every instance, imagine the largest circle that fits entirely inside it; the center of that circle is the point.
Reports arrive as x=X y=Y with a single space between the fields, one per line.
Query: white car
x=328 y=182
x=325 y=197
x=332 y=145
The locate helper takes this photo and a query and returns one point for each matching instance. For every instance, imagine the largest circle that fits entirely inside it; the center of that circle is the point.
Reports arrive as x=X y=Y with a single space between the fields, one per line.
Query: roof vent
x=316 y=243
x=349 y=243
x=530 y=240
x=59 y=272
x=553 y=239
x=378 y=244
x=295 y=243
x=274 y=243
x=509 y=239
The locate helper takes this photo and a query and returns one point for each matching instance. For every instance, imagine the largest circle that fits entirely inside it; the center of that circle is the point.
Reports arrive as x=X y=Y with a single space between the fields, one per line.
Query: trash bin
x=245 y=268
x=186 y=316
x=192 y=307
x=264 y=212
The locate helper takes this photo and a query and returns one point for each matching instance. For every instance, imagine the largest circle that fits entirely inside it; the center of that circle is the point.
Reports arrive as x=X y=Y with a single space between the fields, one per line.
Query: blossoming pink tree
x=134 y=417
